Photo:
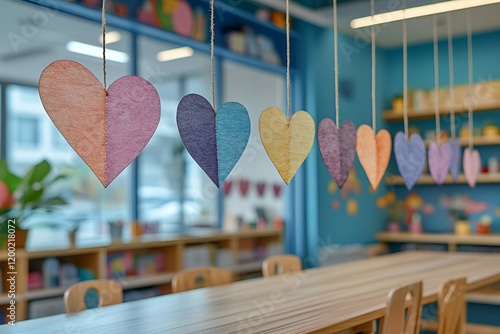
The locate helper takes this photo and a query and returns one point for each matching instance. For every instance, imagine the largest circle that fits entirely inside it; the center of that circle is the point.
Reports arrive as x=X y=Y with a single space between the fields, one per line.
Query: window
x=26 y=131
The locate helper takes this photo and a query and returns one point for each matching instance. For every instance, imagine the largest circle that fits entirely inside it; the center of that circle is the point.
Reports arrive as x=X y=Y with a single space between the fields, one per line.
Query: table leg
x=367 y=328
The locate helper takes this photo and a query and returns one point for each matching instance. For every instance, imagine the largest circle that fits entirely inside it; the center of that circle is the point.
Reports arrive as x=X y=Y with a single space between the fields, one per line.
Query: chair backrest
x=91 y=294
x=451 y=306
x=281 y=264
x=195 y=278
x=404 y=306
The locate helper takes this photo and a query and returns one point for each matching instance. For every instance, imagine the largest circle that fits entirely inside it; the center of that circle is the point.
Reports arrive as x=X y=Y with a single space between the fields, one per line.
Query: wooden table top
x=320 y=300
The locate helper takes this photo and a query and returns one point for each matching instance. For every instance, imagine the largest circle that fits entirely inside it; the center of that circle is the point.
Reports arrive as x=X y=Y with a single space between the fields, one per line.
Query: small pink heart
x=261 y=188
x=244 y=184
x=277 y=190
x=109 y=129
x=227 y=186
x=472 y=166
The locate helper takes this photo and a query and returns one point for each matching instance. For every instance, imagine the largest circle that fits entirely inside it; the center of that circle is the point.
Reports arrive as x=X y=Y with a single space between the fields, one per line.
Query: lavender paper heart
x=456 y=158
x=439 y=157
x=410 y=157
x=338 y=148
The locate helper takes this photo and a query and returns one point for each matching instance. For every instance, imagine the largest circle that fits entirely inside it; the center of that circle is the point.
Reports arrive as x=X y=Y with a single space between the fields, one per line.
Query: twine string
x=212 y=50
x=336 y=62
x=288 y=84
x=405 y=72
x=103 y=22
x=452 y=80
x=436 y=78
x=469 y=50
x=374 y=65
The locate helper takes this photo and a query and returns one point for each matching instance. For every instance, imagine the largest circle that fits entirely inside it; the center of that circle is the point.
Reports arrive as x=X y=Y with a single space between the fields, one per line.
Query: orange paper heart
x=374 y=152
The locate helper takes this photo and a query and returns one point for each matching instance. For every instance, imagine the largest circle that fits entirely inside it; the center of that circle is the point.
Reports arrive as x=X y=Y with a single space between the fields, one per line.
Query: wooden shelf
x=428 y=180
x=392 y=116
x=478 y=141
x=246 y=267
x=45 y=293
x=4 y=299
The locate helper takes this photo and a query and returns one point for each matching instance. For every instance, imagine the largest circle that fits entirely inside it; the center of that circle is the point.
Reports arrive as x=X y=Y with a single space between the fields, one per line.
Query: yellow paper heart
x=374 y=152
x=287 y=143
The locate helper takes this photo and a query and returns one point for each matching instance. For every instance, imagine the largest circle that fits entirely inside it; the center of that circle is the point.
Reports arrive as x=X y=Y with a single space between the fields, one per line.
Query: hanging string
x=336 y=62
x=452 y=80
x=374 y=65
x=288 y=84
x=405 y=72
x=436 y=78
x=103 y=22
x=469 y=49
x=212 y=50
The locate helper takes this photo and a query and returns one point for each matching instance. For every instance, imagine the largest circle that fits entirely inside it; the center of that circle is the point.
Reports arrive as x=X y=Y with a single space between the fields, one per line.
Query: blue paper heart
x=456 y=158
x=410 y=157
x=216 y=142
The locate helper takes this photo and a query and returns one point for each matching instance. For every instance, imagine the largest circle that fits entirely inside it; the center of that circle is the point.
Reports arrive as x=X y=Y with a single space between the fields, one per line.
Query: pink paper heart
x=108 y=131
x=472 y=166
x=227 y=186
x=261 y=188
x=439 y=158
x=277 y=190
x=244 y=184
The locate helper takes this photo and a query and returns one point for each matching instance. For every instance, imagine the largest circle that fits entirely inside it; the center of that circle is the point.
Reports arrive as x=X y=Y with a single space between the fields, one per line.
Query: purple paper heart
x=439 y=157
x=261 y=188
x=215 y=141
x=338 y=148
x=410 y=157
x=456 y=158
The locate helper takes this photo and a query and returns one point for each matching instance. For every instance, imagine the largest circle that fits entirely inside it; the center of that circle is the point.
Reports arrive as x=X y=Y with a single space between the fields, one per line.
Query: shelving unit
x=478 y=141
x=488 y=295
x=95 y=259
x=392 y=116
x=428 y=180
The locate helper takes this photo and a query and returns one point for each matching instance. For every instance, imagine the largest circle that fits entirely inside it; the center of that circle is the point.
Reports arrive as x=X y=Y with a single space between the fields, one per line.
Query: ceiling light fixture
x=111 y=37
x=413 y=12
x=96 y=51
x=174 y=54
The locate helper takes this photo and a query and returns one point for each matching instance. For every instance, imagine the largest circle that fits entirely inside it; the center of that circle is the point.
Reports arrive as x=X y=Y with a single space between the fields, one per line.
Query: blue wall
x=335 y=226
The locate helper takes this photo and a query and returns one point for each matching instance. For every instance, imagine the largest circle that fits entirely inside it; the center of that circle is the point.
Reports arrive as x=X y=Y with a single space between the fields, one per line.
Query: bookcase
x=169 y=249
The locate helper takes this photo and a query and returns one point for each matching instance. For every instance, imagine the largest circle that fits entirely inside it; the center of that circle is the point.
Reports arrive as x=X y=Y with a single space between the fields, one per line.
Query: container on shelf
x=462 y=227
x=493 y=165
x=420 y=100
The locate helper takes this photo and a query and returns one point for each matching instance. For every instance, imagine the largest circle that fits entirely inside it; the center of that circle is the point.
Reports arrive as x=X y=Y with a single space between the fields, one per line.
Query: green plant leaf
x=38 y=173
x=12 y=181
x=31 y=196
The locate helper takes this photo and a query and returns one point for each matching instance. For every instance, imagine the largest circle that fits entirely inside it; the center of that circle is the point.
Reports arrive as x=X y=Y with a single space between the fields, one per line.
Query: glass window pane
x=31 y=135
x=173 y=189
x=263 y=201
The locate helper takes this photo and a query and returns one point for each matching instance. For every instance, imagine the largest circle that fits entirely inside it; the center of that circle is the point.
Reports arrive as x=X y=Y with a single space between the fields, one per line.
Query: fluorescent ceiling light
x=111 y=37
x=174 y=54
x=411 y=13
x=96 y=51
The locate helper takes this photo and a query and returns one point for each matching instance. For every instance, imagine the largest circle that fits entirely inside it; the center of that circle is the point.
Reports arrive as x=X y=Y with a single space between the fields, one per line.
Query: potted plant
x=458 y=212
x=490 y=129
x=22 y=196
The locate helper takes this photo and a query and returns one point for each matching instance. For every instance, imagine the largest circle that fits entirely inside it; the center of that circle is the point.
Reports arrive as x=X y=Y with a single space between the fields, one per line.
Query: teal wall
x=328 y=226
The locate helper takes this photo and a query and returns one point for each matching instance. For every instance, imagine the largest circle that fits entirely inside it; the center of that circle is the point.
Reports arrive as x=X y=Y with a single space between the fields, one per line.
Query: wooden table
x=320 y=300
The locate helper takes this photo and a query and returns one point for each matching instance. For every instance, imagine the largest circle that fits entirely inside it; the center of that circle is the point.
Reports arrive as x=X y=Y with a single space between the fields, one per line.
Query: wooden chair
x=91 y=294
x=281 y=264
x=190 y=279
x=451 y=307
x=403 y=310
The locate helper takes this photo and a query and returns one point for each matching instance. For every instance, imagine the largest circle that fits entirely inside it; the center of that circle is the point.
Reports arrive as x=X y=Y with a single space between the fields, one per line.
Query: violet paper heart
x=410 y=157
x=456 y=158
x=472 y=166
x=338 y=148
x=439 y=157
x=216 y=142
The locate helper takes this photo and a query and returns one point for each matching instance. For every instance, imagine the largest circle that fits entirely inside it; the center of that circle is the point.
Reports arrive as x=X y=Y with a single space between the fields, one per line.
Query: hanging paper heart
x=226 y=187
x=338 y=148
x=261 y=188
x=455 y=159
x=244 y=184
x=410 y=157
x=277 y=190
x=107 y=131
x=287 y=143
x=374 y=152
x=215 y=141
x=472 y=166
x=439 y=161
